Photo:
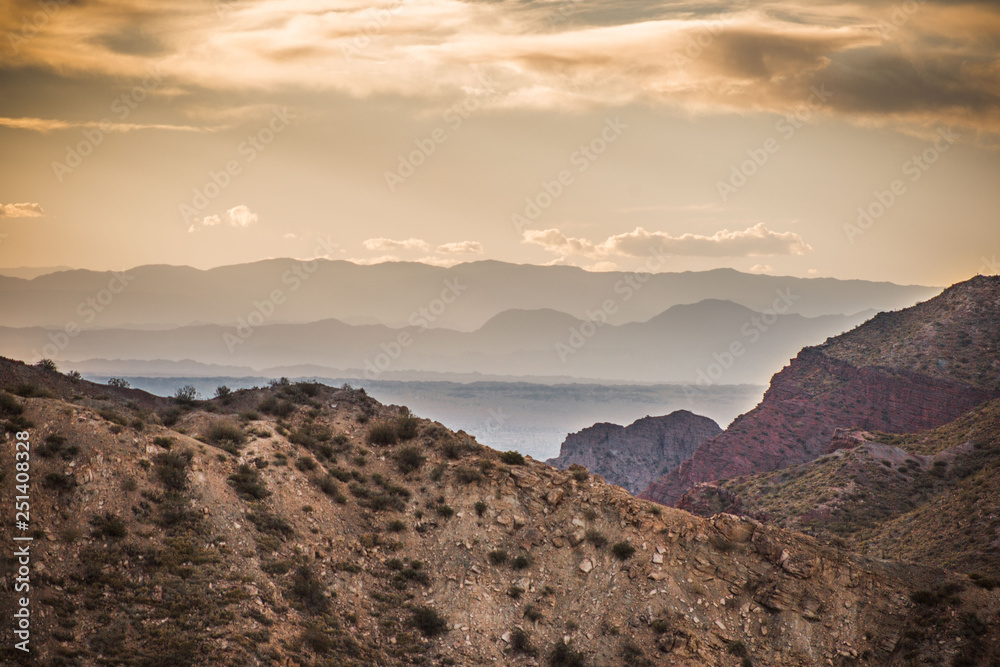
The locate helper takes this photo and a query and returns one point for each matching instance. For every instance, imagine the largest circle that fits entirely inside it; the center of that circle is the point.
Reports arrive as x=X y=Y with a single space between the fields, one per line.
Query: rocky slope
x=633 y=456
x=306 y=525
x=931 y=497
x=900 y=372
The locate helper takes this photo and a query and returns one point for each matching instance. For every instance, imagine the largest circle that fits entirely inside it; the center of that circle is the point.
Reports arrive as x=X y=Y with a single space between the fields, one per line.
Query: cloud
x=761 y=268
x=45 y=125
x=391 y=245
x=241 y=216
x=460 y=248
x=23 y=210
x=885 y=63
x=751 y=242
x=238 y=216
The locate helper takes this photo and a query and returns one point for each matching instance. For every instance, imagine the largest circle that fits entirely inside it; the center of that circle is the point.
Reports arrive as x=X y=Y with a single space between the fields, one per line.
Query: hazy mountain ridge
x=633 y=456
x=230 y=537
x=681 y=344
x=393 y=293
x=819 y=392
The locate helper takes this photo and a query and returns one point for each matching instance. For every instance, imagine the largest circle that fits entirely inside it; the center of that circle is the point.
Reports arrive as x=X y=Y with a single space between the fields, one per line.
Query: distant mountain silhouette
x=712 y=341
x=462 y=297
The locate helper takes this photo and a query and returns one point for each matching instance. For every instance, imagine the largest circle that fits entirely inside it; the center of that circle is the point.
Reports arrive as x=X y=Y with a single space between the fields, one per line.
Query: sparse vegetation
x=512 y=458
x=622 y=550
x=248 y=483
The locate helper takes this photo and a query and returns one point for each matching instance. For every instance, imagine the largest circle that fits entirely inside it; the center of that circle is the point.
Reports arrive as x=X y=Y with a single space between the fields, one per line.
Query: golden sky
x=812 y=139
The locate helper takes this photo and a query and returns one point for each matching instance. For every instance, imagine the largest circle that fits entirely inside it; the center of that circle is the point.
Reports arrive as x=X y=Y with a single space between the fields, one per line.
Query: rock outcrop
x=633 y=456
x=855 y=381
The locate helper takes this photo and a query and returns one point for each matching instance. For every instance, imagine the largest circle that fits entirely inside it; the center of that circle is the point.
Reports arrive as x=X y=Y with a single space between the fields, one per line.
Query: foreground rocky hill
x=633 y=456
x=306 y=525
x=931 y=497
x=900 y=372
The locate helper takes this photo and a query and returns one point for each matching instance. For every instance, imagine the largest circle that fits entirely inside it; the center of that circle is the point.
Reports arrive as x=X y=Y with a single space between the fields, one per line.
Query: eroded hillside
x=307 y=525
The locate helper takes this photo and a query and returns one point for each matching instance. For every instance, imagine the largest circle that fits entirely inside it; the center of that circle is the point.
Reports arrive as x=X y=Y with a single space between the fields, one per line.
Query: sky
x=841 y=139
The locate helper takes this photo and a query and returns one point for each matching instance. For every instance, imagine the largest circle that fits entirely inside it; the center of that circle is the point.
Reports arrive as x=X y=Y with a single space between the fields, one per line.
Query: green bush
x=171 y=469
x=227 y=436
x=512 y=458
x=406 y=426
x=248 y=483
x=409 y=458
x=382 y=433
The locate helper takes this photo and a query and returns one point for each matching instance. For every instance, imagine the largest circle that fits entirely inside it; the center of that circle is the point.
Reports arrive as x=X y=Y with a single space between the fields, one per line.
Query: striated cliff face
x=633 y=456
x=854 y=381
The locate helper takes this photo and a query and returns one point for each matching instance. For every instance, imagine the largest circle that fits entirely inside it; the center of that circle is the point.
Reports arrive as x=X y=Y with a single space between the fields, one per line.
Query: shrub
x=163 y=441
x=445 y=511
x=171 y=469
x=275 y=407
x=269 y=523
x=406 y=426
x=396 y=526
x=109 y=525
x=25 y=390
x=521 y=562
x=480 y=508
x=248 y=483
x=512 y=458
x=227 y=436
x=520 y=642
x=309 y=590
x=622 y=550
x=498 y=556
x=55 y=445
x=186 y=395
x=532 y=613
x=47 y=365
x=428 y=621
x=596 y=537
x=120 y=383
x=305 y=463
x=382 y=433
x=409 y=458
x=562 y=655
x=223 y=392
x=515 y=591
x=467 y=475
x=9 y=406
